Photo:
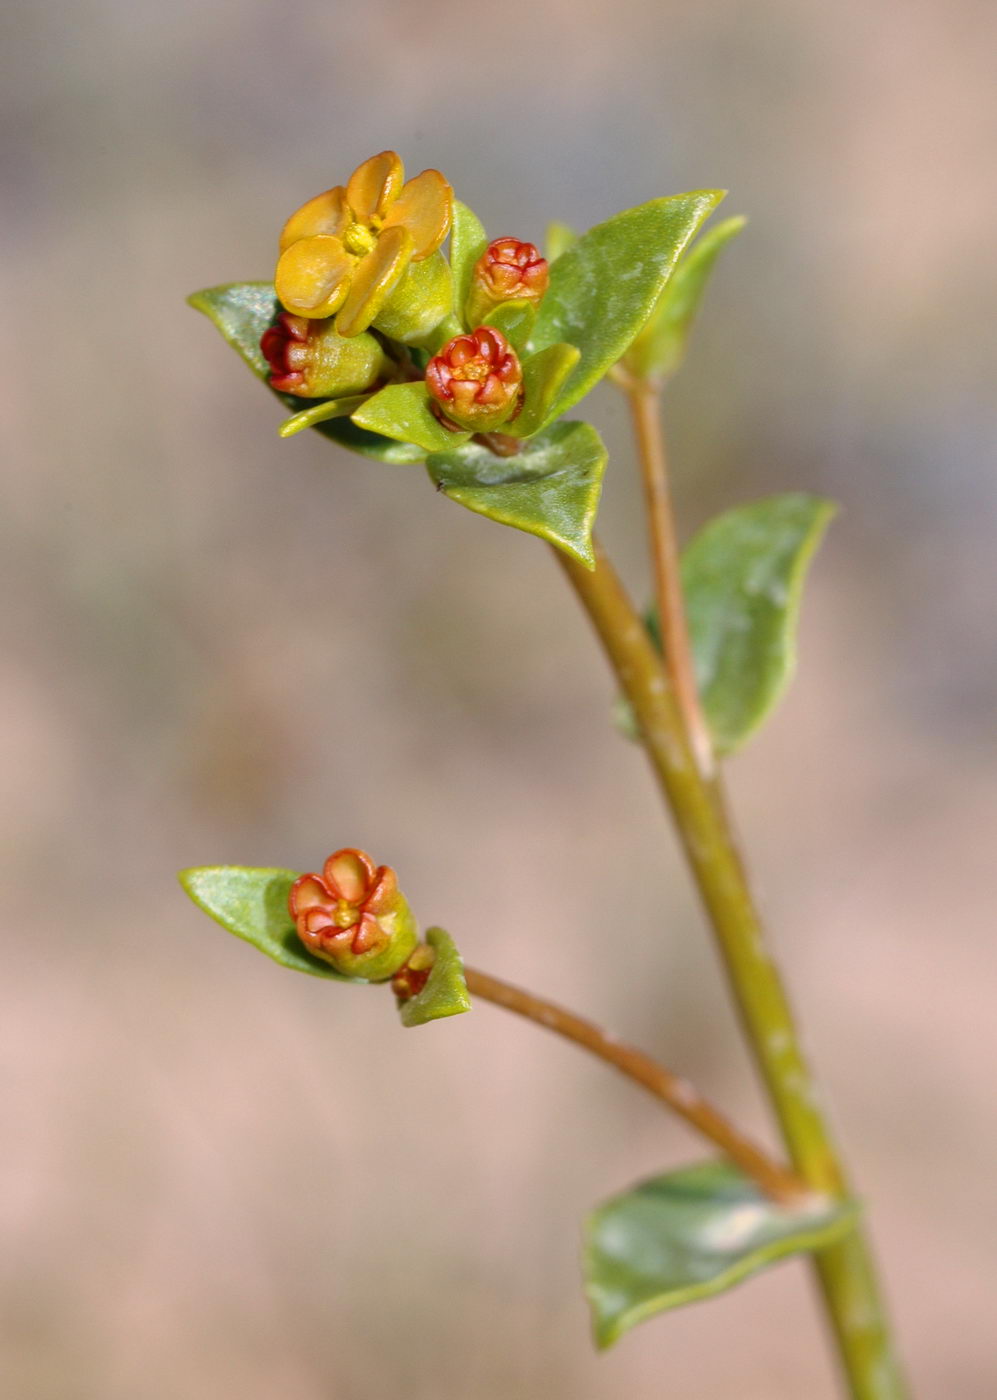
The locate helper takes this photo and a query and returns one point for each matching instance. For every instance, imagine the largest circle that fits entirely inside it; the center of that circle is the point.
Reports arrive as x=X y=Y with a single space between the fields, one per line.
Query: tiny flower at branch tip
x=476 y=381
x=354 y=916
x=508 y=270
x=344 y=252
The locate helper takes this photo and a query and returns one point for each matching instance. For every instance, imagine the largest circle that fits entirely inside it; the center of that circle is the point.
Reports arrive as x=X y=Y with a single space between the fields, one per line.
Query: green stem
x=845 y=1270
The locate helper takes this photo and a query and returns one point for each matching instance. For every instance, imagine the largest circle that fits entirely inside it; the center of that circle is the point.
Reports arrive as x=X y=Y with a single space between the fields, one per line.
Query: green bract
x=445 y=992
x=604 y=286
x=549 y=488
x=660 y=348
x=689 y=1235
x=252 y=903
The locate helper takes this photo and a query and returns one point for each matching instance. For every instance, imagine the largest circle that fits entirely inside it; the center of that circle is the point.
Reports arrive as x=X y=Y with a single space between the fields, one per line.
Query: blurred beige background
x=219 y=1179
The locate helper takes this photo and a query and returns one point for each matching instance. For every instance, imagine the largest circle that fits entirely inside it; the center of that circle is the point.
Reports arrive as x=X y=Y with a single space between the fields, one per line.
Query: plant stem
x=846 y=1271
x=774 y=1179
x=643 y=400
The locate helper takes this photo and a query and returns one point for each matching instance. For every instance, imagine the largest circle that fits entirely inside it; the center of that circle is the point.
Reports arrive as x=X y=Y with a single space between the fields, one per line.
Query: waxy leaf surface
x=402 y=411
x=743 y=578
x=604 y=286
x=468 y=241
x=252 y=903
x=690 y=1235
x=660 y=348
x=445 y=992
x=242 y=311
x=550 y=488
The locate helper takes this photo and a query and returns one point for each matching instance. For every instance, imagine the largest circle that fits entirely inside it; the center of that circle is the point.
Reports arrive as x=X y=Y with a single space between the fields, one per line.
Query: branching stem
x=775 y=1180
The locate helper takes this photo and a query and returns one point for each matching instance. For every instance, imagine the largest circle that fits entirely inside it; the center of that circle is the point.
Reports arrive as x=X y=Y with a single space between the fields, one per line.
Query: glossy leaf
x=445 y=992
x=690 y=1235
x=515 y=319
x=468 y=241
x=252 y=903
x=320 y=413
x=660 y=348
x=743 y=578
x=402 y=411
x=560 y=237
x=544 y=376
x=603 y=287
x=550 y=488
x=242 y=311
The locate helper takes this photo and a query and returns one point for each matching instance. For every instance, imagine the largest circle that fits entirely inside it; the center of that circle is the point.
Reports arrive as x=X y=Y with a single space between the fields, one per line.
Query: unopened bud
x=354 y=916
x=476 y=381
x=409 y=980
x=308 y=358
x=508 y=270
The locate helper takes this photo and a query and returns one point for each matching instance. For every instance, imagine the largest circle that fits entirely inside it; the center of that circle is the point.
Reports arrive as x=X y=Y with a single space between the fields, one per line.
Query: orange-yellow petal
x=326 y=213
x=374 y=185
x=374 y=279
x=313 y=276
x=425 y=208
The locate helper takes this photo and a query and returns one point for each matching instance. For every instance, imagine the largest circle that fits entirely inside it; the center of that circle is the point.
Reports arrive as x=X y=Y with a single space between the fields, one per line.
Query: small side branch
x=775 y=1180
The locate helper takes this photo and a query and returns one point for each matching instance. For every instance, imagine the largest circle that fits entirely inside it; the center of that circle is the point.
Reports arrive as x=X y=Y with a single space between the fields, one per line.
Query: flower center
x=359 y=240
x=344 y=915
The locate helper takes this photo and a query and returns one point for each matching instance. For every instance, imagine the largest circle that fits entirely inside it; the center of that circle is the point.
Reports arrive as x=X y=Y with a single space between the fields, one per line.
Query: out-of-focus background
x=220 y=1179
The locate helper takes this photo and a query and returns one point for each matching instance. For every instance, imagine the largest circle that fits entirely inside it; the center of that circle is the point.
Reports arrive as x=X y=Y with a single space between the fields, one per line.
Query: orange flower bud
x=310 y=359
x=354 y=916
x=476 y=381
x=508 y=270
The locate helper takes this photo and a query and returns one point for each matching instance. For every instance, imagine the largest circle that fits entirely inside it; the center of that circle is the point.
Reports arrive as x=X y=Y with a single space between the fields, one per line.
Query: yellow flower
x=344 y=252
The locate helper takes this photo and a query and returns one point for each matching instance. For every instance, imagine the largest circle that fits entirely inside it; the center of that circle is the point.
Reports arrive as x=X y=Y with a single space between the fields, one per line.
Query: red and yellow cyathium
x=476 y=381
x=508 y=270
x=354 y=916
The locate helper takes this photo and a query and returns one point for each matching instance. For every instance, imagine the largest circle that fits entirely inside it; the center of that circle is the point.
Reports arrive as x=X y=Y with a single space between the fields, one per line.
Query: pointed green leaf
x=602 y=289
x=402 y=411
x=242 y=311
x=320 y=413
x=544 y=376
x=468 y=241
x=743 y=577
x=690 y=1235
x=660 y=348
x=252 y=903
x=549 y=488
x=445 y=992
x=515 y=320
x=560 y=237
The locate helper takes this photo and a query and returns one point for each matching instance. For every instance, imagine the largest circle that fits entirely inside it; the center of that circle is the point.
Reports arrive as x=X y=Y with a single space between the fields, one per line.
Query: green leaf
x=445 y=992
x=515 y=319
x=402 y=411
x=242 y=311
x=543 y=378
x=602 y=289
x=690 y=1235
x=468 y=241
x=320 y=413
x=252 y=904
x=549 y=488
x=743 y=578
x=560 y=237
x=661 y=347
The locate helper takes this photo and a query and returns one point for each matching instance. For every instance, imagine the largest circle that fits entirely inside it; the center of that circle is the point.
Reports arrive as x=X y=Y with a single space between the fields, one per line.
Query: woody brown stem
x=777 y=1181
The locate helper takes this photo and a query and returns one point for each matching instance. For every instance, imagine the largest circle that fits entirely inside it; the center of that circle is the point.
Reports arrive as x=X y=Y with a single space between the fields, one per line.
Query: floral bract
x=345 y=251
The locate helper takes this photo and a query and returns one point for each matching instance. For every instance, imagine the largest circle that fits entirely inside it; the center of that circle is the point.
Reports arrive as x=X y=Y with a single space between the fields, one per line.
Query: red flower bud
x=476 y=381
x=507 y=270
x=354 y=916
x=409 y=980
x=308 y=358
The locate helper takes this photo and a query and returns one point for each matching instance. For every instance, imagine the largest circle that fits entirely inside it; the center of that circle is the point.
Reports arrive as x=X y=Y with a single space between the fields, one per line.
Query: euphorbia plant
x=468 y=364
